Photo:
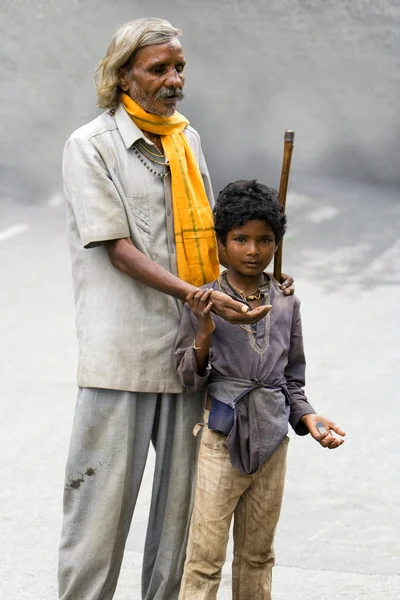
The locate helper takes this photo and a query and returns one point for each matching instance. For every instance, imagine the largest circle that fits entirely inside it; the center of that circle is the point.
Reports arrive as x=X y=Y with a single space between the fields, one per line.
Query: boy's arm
x=302 y=416
x=192 y=346
x=295 y=375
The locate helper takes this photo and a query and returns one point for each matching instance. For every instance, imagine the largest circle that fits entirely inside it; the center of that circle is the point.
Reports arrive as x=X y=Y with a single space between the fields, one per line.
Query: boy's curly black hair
x=247 y=200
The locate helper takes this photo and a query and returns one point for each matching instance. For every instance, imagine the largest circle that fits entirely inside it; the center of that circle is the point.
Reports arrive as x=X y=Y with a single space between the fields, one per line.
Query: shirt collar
x=226 y=287
x=130 y=132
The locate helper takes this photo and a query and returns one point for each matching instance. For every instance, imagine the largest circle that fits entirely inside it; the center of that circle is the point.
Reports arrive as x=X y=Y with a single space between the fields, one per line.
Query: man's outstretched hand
x=324 y=433
x=236 y=312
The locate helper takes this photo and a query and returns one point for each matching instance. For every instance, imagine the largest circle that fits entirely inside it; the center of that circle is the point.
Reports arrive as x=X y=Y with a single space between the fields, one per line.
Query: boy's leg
x=218 y=488
x=108 y=450
x=173 y=485
x=256 y=518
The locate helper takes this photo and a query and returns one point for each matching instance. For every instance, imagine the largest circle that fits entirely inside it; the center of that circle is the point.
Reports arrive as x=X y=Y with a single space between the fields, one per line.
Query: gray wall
x=328 y=69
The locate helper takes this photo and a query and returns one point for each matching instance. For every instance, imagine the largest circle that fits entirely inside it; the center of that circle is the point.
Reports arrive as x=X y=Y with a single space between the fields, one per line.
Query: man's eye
x=158 y=70
x=180 y=68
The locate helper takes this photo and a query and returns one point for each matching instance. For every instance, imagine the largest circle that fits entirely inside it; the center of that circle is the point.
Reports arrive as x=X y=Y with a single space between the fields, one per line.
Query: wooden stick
x=283 y=186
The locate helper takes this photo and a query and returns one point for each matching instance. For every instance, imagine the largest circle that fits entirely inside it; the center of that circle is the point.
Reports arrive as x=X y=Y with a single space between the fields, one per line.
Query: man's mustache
x=169 y=93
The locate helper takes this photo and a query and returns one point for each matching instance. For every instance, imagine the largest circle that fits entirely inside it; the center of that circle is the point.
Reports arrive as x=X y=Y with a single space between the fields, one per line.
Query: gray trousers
x=110 y=440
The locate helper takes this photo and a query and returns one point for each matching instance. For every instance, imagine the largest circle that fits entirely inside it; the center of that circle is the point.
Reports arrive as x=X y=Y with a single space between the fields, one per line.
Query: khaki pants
x=255 y=500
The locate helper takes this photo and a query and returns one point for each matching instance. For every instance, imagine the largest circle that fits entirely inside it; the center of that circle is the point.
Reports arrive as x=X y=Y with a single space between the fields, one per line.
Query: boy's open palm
x=324 y=432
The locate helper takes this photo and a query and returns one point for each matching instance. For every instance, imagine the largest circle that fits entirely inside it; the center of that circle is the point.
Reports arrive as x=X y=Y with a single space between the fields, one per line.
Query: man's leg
x=176 y=450
x=218 y=489
x=108 y=450
x=256 y=518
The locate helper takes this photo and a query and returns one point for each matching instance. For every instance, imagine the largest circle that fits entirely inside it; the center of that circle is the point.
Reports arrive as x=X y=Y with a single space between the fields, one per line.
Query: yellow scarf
x=196 y=247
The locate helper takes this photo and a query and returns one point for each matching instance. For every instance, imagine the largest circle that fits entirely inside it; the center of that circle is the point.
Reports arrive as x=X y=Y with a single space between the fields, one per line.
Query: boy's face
x=250 y=248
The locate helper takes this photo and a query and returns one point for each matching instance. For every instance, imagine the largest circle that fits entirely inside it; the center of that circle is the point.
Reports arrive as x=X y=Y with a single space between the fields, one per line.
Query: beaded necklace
x=250 y=297
x=142 y=152
x=151 y=155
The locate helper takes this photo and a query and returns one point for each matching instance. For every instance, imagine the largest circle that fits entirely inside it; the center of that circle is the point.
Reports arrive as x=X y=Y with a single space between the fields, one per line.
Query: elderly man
x=141 y=239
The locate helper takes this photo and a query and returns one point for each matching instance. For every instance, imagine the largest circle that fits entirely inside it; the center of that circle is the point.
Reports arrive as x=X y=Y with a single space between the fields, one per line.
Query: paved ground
x=339 y=532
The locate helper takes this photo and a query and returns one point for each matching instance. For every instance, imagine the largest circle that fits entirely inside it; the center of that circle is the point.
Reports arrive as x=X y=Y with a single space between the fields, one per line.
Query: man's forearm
x=128 y=259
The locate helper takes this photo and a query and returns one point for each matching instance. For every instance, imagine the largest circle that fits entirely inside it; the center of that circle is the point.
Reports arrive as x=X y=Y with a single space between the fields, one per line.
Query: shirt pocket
x=141 y=210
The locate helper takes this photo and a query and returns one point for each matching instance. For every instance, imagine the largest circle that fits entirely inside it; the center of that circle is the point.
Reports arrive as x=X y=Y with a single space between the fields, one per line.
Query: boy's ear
x=277 y=245
x=220 y=243
x=223 y=259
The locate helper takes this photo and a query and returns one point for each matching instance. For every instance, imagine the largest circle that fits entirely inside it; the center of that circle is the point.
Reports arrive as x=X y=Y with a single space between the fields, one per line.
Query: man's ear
x=124 y=80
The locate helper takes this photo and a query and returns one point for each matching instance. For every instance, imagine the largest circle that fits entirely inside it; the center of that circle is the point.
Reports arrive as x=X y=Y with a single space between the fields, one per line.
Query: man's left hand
x=326 y=438
x=287 y=285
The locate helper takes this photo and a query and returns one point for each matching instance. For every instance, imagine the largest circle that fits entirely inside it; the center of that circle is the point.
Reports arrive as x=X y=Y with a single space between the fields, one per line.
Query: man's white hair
x=122 y=51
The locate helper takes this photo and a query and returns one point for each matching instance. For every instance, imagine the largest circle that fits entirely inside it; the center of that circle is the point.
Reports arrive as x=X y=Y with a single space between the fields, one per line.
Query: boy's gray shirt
x=258 y=369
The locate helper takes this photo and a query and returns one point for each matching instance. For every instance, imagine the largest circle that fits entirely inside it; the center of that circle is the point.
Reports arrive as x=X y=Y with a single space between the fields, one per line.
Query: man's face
x=155 y=81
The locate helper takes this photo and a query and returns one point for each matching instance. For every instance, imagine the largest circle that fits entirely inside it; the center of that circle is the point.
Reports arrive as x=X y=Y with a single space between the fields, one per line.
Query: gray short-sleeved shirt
x=126 y=330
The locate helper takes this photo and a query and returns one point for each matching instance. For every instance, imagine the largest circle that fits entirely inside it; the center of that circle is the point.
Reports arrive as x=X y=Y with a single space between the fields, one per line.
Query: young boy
x=254 y=377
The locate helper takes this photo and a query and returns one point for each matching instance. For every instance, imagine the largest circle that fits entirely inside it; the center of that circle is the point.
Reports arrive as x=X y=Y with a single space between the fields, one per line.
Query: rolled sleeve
x=99 y=211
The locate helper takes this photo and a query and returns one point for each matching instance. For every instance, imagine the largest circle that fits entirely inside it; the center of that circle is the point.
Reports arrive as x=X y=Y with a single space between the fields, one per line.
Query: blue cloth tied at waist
x=252 y=414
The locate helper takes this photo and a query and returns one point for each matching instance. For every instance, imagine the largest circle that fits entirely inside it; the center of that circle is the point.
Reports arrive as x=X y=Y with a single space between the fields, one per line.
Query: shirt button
x=172 y=249
x=168 y=212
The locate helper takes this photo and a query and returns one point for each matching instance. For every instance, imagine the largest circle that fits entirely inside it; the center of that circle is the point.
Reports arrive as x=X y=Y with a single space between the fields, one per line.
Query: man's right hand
x=236 y=312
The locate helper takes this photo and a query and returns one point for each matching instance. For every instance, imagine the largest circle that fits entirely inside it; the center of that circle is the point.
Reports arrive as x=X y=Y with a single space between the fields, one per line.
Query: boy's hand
x=325 y=438
x=201 y=305
x=236 y=312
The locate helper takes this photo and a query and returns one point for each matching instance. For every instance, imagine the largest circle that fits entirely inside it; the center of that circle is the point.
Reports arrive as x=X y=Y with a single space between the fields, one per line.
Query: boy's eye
x=266 y=241
x=240 y=239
